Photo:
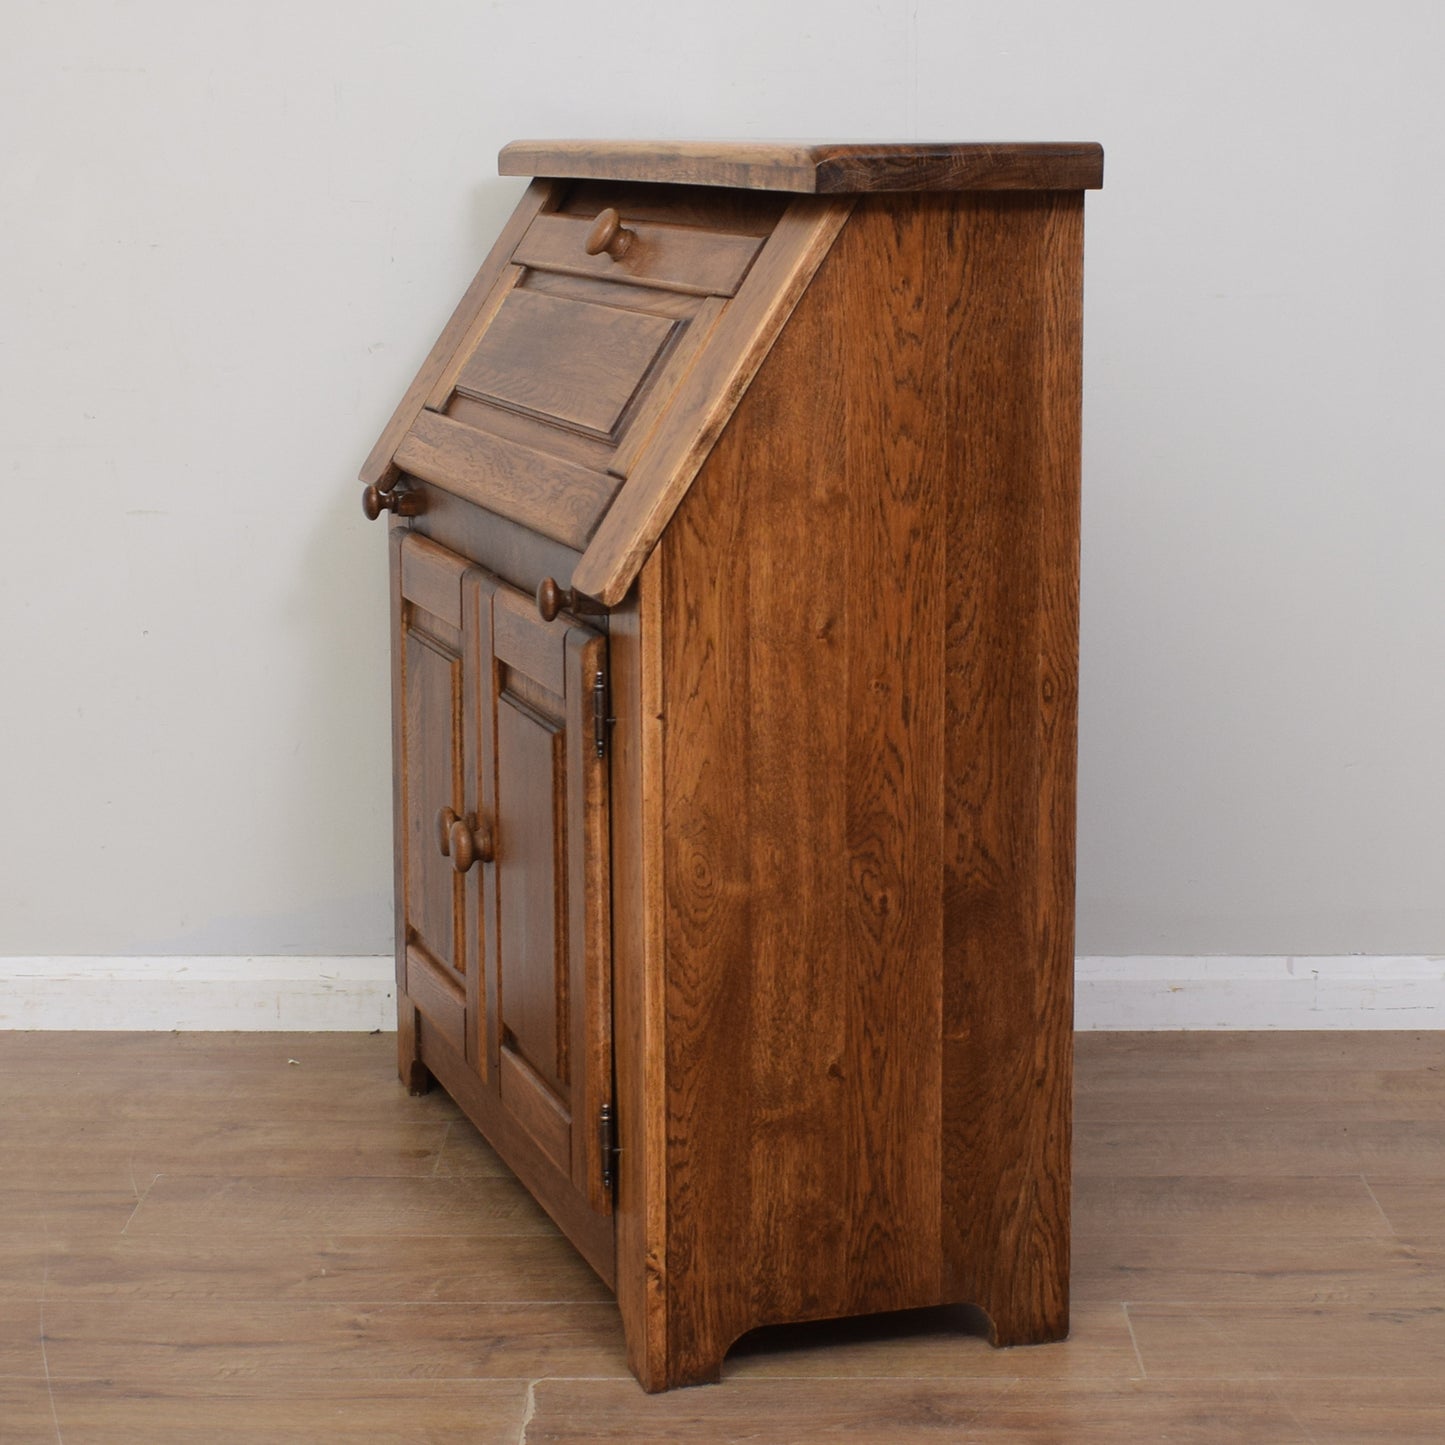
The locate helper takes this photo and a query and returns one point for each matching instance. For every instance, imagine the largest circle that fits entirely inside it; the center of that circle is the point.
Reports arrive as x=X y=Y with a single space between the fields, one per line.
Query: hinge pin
x=600 y=719
x=607 y=1145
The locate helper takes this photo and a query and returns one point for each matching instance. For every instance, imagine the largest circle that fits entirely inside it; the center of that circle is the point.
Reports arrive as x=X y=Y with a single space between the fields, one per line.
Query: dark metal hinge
x=600 y=721
x=607 y=1145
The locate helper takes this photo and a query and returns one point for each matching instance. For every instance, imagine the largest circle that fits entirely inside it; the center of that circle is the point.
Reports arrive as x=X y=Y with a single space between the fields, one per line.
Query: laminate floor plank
x=1190 y=1097
x=26 y=1415
x=1201 y=1204
x=1357 y=1408
x=1412 y=1206
x=230 y=1247
x=1242 y=1052
x=881 y=1411
x=1282 y=1269
x=225 y=1412
x=150 y=1343
x=32 y=1156
x=360 y=1269
x=177 y=1205
x=1245 y=1340
x=1262 y=1148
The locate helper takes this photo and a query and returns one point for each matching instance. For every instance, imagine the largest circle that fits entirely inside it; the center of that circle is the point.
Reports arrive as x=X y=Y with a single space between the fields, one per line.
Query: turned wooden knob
x=610 y=235
x=464 y=842
x=552 y=599
x=404 y=503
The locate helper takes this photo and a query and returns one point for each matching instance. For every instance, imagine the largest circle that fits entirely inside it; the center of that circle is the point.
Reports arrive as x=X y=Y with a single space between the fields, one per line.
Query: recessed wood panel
x=531 y=827
x=573 y=362
x=433 y=781
x=439 y=994
x=537 y=1109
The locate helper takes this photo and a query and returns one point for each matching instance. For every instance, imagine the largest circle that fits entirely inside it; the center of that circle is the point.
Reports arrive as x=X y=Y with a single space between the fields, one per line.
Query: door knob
x=465 y=840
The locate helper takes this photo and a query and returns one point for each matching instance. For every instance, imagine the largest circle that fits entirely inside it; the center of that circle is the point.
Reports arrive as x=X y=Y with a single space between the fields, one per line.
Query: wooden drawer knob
x=552 y=599
x=610 y=235
x=463 y=842
x=405 y=503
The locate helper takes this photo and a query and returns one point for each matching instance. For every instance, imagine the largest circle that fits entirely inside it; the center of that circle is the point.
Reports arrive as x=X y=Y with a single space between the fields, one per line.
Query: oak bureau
x=734 y=562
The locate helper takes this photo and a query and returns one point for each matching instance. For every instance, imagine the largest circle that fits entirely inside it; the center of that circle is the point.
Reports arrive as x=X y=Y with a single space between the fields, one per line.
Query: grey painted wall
x=232 y=232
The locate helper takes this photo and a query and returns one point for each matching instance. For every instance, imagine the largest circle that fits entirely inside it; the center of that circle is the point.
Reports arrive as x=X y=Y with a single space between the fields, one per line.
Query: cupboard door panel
x=438 y=739
x=548 y=947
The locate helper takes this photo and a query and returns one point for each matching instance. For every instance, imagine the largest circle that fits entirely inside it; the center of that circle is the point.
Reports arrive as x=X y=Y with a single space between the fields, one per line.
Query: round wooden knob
x=610 y=235
x=464 y=843
x=551 y=599
x=404 y=503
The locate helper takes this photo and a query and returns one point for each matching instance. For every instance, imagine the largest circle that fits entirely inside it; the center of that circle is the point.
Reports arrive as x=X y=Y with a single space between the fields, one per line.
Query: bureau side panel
x=867 y=805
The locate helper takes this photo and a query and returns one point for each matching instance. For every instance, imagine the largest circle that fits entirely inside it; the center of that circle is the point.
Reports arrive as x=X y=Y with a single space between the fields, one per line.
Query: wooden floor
x=258 y=1237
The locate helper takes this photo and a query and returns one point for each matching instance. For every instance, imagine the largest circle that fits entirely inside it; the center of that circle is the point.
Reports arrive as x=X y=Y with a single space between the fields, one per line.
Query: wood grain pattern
x=1014 y=264
x=705 y=401
x=638 y=990
x=817 y=168
x=557 y=498
x=816 y=1168
x=380 y=467
x=501 y=546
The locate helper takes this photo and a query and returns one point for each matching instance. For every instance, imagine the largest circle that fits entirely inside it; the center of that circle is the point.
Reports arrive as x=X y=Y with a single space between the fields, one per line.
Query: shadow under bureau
x=734 y=562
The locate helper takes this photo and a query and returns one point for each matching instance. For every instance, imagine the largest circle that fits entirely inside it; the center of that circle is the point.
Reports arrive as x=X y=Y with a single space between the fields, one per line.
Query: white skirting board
x=198 y=993
x=1355 y=992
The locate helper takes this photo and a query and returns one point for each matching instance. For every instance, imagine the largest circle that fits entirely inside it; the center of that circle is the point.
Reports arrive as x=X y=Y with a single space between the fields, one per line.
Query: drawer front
x=671 y=257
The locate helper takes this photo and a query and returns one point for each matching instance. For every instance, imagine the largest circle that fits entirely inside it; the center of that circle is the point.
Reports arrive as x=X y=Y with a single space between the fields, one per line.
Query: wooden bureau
x=734 y=559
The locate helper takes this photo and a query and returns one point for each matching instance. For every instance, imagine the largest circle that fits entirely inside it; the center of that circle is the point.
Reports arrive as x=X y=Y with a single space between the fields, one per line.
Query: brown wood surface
x=673 y=257
x=498 y=544
x=1013 y=380
x=380 y=467
x=839 y=668
x=666 y=466
x=410 y=1069
x=202 y=1240
x=437 y=948
x=548 y=953
x=577 y=363
x=818 y=167
x=714 y=208
x=638 y=989
x=586 y=914
x=545 y=493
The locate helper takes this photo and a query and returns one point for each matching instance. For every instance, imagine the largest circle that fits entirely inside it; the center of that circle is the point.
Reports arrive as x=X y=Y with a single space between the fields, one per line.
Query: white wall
x=231 y=231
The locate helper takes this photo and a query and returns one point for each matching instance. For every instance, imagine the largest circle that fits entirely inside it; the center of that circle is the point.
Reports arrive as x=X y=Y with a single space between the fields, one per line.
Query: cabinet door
x=545 y=898
x=438 y=763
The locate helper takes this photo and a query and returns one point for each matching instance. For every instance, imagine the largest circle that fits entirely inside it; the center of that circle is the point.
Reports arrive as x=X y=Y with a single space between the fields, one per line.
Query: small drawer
x=671 y=257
